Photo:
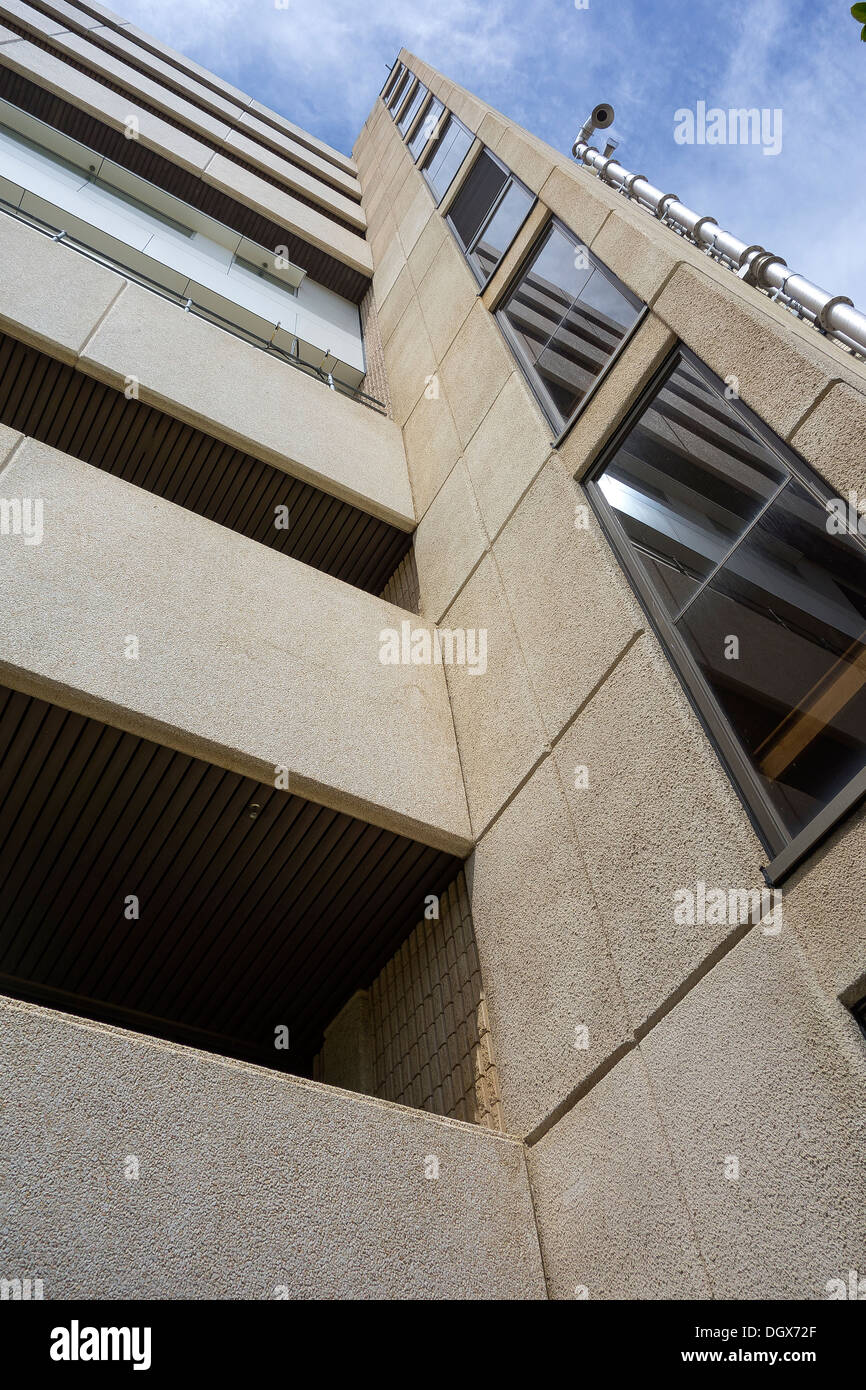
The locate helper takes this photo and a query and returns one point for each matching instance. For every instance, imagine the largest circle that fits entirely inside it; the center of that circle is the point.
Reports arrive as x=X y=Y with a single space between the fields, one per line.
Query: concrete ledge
x=99 y=101
x=250 y=1184
x=184 y=150
x=50 y=297
x=248 y=658
x=204 y=375
x=64 y=304
x=278 y=204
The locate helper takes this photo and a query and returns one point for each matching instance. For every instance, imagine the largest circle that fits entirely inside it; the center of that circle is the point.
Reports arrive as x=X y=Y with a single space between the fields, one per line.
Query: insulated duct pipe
x=833 y=314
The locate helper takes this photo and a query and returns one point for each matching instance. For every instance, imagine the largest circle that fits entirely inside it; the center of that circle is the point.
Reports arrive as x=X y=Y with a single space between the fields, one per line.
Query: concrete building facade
x=410 y=889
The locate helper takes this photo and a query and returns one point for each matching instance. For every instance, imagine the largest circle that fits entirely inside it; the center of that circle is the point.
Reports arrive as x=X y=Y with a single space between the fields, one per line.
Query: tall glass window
x=426 y=127
x=398 y=91
x=487 y=213
x=408 y=116
x=566 y=319
x=757 y=588
x=446 y=157
x=388 y=89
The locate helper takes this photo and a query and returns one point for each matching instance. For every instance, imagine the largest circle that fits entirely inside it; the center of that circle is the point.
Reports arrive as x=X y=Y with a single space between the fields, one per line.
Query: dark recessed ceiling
x=257 y=907
x=60 y=406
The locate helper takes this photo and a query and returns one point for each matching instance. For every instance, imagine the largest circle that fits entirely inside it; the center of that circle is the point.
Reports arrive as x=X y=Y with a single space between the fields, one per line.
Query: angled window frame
x=423 y=117
x=786 y=851
x=393 y=72
x=511 y=181
x=445 y=120
x=422 y=91
x=399 y=92
x=533 y=378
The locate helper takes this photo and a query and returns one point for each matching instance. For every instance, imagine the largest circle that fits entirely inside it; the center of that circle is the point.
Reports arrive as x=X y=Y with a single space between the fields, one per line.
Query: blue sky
x=545 y=63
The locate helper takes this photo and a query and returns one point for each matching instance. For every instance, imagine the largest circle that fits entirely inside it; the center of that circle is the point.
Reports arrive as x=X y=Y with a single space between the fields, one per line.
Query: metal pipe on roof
x=834 y=315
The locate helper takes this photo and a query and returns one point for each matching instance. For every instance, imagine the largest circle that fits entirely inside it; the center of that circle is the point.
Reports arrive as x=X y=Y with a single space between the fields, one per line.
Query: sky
x=546 y=63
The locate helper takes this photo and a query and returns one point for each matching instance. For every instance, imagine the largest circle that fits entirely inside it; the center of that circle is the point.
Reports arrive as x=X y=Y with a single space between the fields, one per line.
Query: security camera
x=601 y=118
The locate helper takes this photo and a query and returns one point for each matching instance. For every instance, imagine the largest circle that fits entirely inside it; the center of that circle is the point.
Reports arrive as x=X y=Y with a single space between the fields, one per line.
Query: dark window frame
x=536 y=385
x=431 y=101
x=392 y=76
x=399 y=93
x=511 y=180
x=413 y=92
x=446 y=117
x=787 y=851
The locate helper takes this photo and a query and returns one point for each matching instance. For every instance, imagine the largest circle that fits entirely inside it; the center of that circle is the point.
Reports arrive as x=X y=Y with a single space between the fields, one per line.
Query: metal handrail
x=834 y=316
x=200 y=310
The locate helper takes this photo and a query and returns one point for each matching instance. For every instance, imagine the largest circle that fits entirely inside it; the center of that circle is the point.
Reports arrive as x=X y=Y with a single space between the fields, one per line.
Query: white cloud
x=545 y=63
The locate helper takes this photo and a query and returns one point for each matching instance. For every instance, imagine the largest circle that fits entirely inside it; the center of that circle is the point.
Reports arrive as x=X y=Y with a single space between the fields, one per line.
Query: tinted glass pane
x=587 y=337
x=412 y=109
x=544 y=294
x=483 y=184
x=446 y=157
x=501 y=230
x=399 y=91
x=686 y=483
x=393 y=75
x=426 y=128
x=794 y=690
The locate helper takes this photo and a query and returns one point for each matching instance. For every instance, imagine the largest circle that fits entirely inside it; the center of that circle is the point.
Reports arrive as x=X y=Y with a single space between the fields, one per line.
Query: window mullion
x=736 y=545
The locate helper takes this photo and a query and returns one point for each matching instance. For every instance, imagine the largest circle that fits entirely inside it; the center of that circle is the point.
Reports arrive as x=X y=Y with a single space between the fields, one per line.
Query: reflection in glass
x=686 y=483
x=446 y=157
x=412 y=109
x=426 y=127
x=566 y=318
x=482 y=186
x=500 y=231
x=769 y=601
x=795 y=598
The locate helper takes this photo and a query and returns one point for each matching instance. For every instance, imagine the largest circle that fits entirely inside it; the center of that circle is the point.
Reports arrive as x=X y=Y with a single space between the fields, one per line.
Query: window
x=487 y=214
x=426 y=127
x=446 y=157
x=757 y=590
x=398 y=91
x=566 y=319
x=408 y=116
x=859 y=1012
x=390 y=80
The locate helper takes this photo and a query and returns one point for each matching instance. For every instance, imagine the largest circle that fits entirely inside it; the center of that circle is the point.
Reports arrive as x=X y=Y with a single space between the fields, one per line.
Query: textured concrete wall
x=245 y=657
x=250 y=1184
x=636 y=1056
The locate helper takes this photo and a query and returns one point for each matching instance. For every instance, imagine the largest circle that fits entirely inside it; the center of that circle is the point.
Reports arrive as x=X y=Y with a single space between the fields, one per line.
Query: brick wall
x=425 y=1024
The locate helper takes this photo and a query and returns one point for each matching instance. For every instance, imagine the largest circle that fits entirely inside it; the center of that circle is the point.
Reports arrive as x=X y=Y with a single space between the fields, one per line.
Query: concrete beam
x=64 y=304
x=247 y=658
x=184 y=149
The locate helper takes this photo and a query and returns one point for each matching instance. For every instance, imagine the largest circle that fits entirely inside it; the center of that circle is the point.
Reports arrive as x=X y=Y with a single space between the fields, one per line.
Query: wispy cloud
x=546 y=62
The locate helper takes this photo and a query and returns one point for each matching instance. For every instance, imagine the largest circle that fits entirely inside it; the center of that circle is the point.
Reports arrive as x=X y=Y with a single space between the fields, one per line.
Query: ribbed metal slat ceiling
x=248 y=919
x=60 y=406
